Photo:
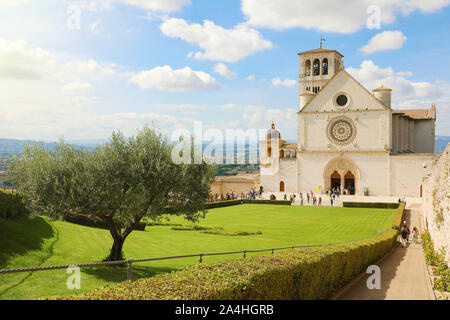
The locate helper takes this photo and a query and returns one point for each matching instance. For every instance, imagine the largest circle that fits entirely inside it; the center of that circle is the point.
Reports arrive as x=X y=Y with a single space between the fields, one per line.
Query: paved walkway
x=403 y=273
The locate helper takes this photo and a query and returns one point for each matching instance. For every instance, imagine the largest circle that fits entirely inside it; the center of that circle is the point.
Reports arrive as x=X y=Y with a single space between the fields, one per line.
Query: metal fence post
x=201 y=258
x=245 y=254
x=272 y=251
x=130 y=261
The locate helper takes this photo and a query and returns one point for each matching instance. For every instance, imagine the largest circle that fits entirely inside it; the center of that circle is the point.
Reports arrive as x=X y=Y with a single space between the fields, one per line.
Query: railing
x=129 y=262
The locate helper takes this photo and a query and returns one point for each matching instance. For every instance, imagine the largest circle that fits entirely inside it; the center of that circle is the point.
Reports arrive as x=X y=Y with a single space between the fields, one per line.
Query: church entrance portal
x=349 y=182
x=344 y=173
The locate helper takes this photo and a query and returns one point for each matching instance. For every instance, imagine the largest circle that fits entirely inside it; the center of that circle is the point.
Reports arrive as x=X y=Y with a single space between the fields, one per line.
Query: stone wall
x=238 y=184
x=435 y=205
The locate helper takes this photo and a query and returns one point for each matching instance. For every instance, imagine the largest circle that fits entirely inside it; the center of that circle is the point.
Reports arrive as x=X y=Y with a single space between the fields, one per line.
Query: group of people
x=231 y=195
x=310 y=198
x=405 y=234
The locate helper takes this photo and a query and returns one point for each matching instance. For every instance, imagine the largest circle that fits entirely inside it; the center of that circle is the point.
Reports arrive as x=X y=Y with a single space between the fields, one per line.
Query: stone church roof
x=419 y=114
x=320 y=50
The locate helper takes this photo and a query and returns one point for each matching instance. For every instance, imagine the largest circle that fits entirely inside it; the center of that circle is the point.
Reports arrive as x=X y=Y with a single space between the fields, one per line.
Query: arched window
x=288 y=153
x=294 y=153
x=281 y=153
x=316 y=67
x=307 y=68
x=281 y=186
x=325 y=66
x=269 y=152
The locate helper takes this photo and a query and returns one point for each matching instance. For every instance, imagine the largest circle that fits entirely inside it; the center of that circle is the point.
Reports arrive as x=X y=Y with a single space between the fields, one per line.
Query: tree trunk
x=116 y=250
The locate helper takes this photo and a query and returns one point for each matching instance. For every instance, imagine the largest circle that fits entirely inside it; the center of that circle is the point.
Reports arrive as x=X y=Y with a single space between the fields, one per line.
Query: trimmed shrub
x=220 y=204
x=86 y=220
x=193 y=228
x=12 y=205
x=398 y=219
x=307 y=273
x=276 y=202
x=374 y=205
x=228 y=203
x=221 y=232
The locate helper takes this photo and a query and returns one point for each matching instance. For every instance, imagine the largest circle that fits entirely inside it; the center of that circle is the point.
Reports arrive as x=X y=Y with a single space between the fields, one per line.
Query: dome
x=272 y=133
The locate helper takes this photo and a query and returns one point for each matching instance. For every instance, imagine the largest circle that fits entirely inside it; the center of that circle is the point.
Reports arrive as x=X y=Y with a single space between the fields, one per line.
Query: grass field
x=27 y=243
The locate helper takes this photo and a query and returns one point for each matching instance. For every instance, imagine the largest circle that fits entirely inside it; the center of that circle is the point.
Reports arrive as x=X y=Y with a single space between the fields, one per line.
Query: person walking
x=415 y=235
x=331 y=201
x=320 y=201
x=404 y=234
x=307 y=197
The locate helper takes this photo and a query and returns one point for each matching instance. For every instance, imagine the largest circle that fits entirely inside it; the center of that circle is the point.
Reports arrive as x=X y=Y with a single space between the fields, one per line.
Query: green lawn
x=27 y=243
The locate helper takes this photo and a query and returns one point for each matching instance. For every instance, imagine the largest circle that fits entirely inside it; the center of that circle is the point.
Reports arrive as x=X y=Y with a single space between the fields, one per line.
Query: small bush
x=12 y=205
x=193 y=228
x=221 y=232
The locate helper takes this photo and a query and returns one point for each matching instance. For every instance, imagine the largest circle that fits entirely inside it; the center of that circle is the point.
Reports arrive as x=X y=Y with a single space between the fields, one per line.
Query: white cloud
x=181 y=107
x=228 y=107
x=218 y=43
x=223 y=70
x=329 y=15
x=152 y=5
x=373 y=76
x=12 y=2
x=90 y=68
x=384 y=41
x=405 y=73
x=262 y=117
x=18 y=60
x=166 y=78
x=158 y=5
x=78 y=87
x=250 y=77
x=285 y=83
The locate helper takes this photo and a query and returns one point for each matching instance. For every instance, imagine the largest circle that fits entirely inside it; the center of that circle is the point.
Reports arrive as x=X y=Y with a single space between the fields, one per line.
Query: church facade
x=348 y=137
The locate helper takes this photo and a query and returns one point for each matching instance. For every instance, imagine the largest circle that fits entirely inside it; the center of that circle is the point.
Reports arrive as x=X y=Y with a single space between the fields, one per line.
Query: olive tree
x=120 y=182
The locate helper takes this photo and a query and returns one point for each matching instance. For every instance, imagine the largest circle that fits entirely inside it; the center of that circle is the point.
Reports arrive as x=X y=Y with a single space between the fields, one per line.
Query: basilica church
x=348 y=137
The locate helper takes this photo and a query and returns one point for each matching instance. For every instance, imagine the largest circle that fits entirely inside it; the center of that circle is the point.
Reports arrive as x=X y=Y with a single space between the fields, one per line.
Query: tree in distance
x=120 y=182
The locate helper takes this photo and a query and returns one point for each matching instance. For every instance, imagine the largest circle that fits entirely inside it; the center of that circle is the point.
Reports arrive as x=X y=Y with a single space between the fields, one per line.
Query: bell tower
x=317 y=67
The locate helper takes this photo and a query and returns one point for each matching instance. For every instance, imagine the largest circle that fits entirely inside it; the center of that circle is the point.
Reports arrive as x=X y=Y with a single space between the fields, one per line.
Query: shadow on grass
x=119 y=273
x=18 y=237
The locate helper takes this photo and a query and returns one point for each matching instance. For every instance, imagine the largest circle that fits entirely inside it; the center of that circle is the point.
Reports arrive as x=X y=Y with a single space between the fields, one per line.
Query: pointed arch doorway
x=335 y=180
x=344 y=173
x=349 y=182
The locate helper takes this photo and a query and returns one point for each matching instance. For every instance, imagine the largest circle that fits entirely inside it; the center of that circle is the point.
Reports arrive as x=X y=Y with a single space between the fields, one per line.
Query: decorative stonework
x=341 y=130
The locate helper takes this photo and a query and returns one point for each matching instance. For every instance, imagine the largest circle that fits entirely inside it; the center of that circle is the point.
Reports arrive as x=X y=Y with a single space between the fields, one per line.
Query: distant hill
x=441 y=143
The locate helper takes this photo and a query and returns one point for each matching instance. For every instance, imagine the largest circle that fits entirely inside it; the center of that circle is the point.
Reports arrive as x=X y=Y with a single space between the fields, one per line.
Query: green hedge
x=12 y=205
x=85 y=220
x=375 y=205
x=228 y=203
x=276 y=202
x=220 y=204
x=307 y=273
x=398 y=220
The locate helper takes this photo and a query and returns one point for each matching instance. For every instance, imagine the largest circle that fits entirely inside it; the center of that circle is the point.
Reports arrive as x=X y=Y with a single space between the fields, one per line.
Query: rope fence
x=129 y=262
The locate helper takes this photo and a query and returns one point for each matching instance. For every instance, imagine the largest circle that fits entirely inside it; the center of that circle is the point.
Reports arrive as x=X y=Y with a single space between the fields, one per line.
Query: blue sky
x=125 y=63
